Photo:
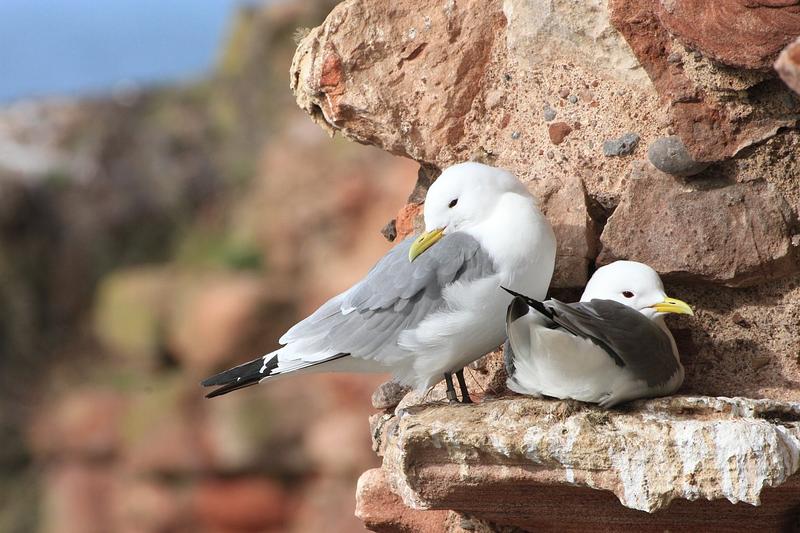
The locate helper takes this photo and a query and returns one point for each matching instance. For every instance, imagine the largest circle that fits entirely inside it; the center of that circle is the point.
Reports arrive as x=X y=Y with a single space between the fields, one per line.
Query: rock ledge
x=493 y=460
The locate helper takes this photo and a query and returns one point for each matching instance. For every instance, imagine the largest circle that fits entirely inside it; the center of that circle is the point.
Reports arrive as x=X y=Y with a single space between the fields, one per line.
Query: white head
x=635 y=285
x=463 y=196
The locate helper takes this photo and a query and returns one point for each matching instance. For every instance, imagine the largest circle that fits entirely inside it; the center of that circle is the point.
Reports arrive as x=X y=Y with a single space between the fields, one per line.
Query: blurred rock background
x=151 y=237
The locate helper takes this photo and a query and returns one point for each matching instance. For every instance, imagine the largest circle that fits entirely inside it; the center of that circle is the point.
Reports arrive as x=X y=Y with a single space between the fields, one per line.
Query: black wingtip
x=513 y=293
x=240 y=377
x=230 y=387
x=536 y=304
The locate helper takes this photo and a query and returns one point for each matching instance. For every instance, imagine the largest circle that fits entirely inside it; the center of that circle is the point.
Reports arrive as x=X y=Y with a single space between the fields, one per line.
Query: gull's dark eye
x=627 y=294
x=453 y=203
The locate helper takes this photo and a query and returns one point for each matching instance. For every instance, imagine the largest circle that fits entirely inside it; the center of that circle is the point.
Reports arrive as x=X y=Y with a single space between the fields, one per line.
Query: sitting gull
x=610 y=347
x=433 y=303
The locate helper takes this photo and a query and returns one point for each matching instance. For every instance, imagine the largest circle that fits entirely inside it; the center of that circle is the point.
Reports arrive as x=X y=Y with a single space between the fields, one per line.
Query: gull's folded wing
x=629 y=337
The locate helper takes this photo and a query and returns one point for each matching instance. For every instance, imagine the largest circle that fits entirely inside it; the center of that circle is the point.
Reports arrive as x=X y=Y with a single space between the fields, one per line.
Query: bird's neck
x=659 y=321
x=521 y=243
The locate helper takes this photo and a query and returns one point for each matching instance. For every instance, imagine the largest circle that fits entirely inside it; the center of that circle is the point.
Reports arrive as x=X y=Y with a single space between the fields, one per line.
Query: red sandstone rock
x=736 y=235
x=222 y=319
x=171 y=446
x=545 y=465
x=339 y=444
x=558 y=132
x=321 y=508
x=240 y=504
x=388 y=395
x=451 y=45
x=788 y=65
x=144 y=505
x=407 y=220
x=316 y=243
x=566 y=206
x=711 y=129
x=78 y=498
x=370 y=93
x=383 y=511
x=165 y=432
x=84 y=424
x=740 y=33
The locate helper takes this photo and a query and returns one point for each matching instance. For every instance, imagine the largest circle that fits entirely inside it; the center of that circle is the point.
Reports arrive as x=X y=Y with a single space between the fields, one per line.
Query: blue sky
x=71 y=47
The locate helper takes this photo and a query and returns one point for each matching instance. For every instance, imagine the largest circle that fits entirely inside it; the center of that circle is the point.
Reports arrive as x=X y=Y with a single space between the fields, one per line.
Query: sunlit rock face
x=511 y=460
x=708 y=195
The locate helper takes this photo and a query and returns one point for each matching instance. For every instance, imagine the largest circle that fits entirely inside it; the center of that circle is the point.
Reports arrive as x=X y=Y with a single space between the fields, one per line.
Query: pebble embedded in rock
x=668 y=154
x=573 y=99
x=759 y=362
x=622 y=146
x=674 y=57
x=388 y=395
x=563 y=92
x=558 y=131
x=739 y=320
x=549 y=113
x=389 y=231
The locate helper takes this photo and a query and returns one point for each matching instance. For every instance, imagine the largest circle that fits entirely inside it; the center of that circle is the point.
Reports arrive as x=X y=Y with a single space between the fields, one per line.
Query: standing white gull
x=432 y=304
x=610 y=347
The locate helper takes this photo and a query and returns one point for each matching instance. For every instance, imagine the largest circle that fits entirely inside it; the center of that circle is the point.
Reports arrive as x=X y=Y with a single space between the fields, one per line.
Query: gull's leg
x=463 y=386
x=451 y=391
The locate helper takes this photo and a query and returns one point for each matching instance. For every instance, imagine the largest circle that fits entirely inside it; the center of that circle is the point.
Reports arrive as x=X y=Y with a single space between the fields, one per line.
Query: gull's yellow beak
x=673 y=305
x=423 y=242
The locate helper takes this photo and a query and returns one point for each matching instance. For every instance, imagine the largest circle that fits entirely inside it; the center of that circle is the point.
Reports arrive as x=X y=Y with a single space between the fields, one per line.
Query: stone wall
x=650 y=130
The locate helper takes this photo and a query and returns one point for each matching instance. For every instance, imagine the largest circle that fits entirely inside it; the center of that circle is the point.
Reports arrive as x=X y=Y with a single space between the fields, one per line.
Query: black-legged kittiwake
x=433 y=303
x=610 y=347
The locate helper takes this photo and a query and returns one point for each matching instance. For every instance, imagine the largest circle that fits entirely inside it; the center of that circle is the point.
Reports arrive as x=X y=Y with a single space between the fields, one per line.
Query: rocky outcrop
x=557 y=91
x=520 y=461
x=377 y=506
x=703 y=108
x=737 y=235
x=432 y=108
x=746 y=34
x=605 y=72
x=455 y=86
x=542 y=101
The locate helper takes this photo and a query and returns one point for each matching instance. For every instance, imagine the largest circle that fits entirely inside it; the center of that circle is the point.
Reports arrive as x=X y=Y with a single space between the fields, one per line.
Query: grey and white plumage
x=611 y=347
x=432 y=304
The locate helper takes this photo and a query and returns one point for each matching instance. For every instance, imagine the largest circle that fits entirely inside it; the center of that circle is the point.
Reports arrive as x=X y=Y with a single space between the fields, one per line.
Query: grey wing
x=397 y=294
x=630 y=338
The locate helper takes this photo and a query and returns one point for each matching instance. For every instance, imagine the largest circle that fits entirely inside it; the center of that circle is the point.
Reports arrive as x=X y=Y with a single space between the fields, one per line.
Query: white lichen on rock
x=682 y=447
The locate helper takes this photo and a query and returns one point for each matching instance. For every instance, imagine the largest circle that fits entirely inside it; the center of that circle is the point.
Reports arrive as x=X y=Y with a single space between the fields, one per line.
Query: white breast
x=471 y=324
x=558 y=364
